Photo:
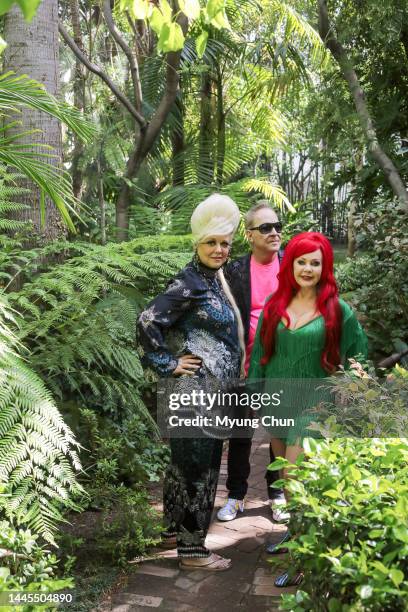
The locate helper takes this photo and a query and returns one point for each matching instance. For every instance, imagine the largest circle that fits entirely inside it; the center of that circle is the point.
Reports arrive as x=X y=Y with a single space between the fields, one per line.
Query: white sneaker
x=230 y=509
x=279 y=512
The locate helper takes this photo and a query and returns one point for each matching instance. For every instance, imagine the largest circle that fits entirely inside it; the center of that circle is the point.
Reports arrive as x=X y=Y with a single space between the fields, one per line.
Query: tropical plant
x=377 y=281
x=19 y=91
x=38 y=457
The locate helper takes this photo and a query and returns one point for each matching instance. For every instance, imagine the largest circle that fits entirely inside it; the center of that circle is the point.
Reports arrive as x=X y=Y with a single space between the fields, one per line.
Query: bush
x=349 y=509
x=26 y=567
x=365 y=405
x=377 y=282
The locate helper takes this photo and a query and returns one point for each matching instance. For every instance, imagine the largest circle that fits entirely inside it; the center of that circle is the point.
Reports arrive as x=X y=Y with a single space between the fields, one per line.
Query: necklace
x=295 y=320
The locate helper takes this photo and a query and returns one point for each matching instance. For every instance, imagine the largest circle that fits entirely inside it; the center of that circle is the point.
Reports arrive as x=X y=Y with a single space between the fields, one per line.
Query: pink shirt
x=263 y=283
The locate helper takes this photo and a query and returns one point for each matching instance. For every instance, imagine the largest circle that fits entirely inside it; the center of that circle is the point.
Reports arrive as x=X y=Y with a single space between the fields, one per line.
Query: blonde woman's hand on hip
x=187 y=364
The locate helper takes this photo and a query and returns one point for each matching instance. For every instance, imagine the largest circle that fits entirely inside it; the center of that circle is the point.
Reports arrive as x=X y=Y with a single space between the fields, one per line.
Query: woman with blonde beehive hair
x=194 y=330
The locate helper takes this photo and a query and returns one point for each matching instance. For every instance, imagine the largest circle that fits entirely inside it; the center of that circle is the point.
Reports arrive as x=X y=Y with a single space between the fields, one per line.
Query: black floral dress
x=193 y=315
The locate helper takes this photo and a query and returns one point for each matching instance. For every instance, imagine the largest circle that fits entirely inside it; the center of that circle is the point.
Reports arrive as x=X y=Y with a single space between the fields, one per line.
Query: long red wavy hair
x=327 y=299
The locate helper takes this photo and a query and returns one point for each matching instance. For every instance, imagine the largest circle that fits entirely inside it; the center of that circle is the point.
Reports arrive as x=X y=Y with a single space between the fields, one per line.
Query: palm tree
x=32 y=48
x=18 y=151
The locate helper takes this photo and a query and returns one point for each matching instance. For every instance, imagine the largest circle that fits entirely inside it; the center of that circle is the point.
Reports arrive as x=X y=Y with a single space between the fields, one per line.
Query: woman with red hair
x=304 y=332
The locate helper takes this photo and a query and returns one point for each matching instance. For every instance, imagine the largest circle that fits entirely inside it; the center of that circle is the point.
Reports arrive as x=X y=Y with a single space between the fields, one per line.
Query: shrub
x=26 y=567
x=349 y=506
x=350 y=509
x=377 y=282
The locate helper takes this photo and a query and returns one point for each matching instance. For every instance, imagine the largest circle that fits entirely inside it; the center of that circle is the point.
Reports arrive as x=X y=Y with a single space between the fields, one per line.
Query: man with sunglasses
x=252 y=278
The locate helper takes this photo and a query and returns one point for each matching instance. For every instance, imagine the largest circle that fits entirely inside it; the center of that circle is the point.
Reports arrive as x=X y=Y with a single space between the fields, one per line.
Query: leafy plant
x=38 y=457
x=26 y=567
x=17 y=91
x=366 y=405
x=349 y=514
x=377 y=282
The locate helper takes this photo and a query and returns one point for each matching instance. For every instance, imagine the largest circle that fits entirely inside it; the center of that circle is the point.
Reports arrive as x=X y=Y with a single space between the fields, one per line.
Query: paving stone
x=173 y=606
x=144 y=601
x=259 y=603
x=122 y=608
x=263 y=571
x=244 y=588
x=204 y=585
x=157 y=570
x=263 y=580
x=184 y=583
x=249 y=545
x=270 y=590
x=218 y=541
x=197 y=575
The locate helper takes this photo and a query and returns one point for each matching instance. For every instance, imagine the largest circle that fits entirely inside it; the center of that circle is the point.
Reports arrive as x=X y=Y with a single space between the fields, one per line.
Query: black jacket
x=238 y=275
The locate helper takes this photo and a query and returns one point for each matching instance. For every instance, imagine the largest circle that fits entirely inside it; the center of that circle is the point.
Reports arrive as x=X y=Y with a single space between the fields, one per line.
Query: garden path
x=247 y=586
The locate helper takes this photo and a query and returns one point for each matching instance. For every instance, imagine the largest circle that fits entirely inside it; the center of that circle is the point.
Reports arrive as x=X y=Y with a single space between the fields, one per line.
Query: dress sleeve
x=256 y=370
x=353 y=339
x=161 y=314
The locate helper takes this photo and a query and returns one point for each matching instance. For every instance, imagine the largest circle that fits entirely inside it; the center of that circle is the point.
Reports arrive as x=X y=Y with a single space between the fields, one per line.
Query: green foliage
x=38 y=458
x=128 y=524
x=80 y=317
x=377 y=282
x=12 y=230
x=118 y=452
x=349 y=514
x=164 y=22
x=79 y=325
x=26 y=567
x=366 y=405
x=28 y=7
x=17 y=92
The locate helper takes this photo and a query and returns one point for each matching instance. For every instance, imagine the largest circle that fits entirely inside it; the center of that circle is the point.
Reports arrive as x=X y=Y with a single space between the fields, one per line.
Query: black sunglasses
x=266 y=228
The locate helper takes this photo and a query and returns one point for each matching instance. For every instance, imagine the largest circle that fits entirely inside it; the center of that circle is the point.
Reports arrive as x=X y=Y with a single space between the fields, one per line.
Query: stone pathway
x=247 y=586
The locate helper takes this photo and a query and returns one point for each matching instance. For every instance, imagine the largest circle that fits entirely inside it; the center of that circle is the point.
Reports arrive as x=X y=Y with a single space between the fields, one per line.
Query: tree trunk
x=102 y=205
x=349 y=74
x=206 y=161
x=177 y=143
x=351 y=230
x=221 y=133
x=33 y=49
x=79 y=101
x=351 y=234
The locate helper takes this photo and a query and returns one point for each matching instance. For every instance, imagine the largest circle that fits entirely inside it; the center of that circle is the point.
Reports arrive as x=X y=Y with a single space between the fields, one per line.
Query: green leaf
x=201 y=43
x=376 y=533
x=221 y=21
x=278 y=464
x=334 y=605
x=140 y=9
x=29 y=8
x=213 y=7
x=191 y=8
x=332 y=493
x=396 y=576
x=310 y=446
x=401 y=533
x=5 y=6
x=4 y=573
x=157 y=21
x=166 y=10
x=171 y=38
x=356 y=474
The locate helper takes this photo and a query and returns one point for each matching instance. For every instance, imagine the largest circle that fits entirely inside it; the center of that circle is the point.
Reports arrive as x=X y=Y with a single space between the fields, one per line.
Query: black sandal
x=288 y=579
x=278 y=549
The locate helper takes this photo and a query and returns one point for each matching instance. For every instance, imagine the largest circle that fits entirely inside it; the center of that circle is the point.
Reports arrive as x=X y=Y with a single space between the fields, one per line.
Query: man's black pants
x=239 y=468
